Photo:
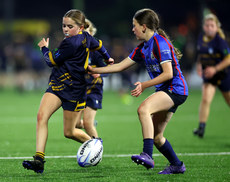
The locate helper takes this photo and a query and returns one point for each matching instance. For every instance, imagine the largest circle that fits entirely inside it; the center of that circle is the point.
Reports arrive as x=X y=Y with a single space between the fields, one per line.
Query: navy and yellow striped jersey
x=212 y=52
x=95 y=85
x=69 y=62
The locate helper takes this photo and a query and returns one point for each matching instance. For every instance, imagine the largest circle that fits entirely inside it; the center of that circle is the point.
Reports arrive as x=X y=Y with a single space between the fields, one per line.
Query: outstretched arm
x=126 y=63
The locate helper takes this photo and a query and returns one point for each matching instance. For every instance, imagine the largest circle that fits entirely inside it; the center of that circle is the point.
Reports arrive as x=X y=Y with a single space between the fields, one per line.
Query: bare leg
x=227 y=97
x=49 y=104
x=70 y=120
x=88 y=121
x=208 y=92
x=157 y=102
x=160 y=121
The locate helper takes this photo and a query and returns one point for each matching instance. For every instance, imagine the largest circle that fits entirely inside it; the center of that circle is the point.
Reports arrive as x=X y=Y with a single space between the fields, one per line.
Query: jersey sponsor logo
x=153 y=68
x=165 y=51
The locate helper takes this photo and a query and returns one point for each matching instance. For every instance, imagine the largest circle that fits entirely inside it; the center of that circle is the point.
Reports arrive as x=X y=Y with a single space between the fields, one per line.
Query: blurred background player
x=94 y=89
x=213 y=65
x=161 y=60
x=67 y=85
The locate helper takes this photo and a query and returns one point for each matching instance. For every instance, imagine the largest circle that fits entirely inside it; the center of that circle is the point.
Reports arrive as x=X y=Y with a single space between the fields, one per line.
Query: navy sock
x=169 y=153
x=202 y=125
x=148 y=146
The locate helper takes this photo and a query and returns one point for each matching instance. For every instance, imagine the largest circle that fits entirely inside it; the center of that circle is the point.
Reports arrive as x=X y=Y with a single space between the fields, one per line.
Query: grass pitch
x=206 y=159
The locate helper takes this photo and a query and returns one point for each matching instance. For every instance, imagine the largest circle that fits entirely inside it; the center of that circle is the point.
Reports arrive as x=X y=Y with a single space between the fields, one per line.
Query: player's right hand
x=44 y=43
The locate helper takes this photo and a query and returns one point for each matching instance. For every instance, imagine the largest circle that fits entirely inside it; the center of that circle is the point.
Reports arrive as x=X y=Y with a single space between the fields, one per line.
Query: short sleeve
x=137 y=54
x=162 y=49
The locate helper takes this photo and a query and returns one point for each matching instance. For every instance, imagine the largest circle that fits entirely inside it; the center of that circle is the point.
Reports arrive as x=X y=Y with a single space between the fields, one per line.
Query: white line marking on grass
x=125 y=155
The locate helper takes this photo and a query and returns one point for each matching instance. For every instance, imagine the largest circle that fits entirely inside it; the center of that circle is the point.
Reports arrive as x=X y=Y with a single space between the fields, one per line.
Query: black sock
x=202 y=125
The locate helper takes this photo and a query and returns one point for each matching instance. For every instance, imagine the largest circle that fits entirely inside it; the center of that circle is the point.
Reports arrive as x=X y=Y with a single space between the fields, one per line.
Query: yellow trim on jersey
x=99 y=47
x=51 y=59
x=87 y=59
x=58 y=88
x=94 y=84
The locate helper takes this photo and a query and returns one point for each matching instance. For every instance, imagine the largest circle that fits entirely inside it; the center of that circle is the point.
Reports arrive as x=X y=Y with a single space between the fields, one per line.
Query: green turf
x=120 y=130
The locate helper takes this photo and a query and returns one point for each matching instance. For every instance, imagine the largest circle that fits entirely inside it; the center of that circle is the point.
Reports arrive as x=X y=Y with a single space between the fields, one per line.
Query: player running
x=213 y=65
x=160 y=58
x=67 y=85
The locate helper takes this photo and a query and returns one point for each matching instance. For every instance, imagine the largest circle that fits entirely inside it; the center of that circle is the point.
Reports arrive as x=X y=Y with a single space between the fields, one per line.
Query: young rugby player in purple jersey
x=160 y=58
x=67 y=85
x=213 y=65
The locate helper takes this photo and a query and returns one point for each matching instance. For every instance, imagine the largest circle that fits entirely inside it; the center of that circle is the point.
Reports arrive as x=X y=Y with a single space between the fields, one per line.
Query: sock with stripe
x=40 y=156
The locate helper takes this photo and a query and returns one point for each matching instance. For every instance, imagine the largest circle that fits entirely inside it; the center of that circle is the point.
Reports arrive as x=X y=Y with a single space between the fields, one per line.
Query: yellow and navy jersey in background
x=154 y=52
x=95 y=85
x=212 y=52
x=69 y=62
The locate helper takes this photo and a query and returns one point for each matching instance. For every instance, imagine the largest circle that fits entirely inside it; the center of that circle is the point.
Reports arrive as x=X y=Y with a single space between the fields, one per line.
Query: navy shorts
x=176 y=98
x=94 y=101
x=221 y=80
x=70 y=105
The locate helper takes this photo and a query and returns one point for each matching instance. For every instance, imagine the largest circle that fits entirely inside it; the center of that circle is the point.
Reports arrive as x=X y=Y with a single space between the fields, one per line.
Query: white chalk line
x=124 y=155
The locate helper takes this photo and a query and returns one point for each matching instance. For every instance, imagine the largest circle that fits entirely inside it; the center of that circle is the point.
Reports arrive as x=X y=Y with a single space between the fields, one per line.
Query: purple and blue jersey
x=69 y=62
x=156 y=51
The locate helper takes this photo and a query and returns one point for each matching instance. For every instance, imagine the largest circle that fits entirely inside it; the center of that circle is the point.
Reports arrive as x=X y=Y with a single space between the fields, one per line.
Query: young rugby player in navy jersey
x=67 y=85
x=213 y=66
x=94 y=89
x=160 y=58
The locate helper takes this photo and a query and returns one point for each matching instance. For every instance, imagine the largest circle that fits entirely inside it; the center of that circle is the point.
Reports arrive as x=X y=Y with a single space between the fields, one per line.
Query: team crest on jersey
x=152 y=56
x=210 y=50
x=57 y=53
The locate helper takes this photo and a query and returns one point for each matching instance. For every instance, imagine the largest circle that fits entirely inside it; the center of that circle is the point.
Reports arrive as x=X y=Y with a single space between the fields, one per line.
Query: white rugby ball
x=90 y=153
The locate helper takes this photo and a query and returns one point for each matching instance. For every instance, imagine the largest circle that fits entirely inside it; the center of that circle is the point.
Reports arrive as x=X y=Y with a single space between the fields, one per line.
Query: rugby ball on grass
x=90 y=153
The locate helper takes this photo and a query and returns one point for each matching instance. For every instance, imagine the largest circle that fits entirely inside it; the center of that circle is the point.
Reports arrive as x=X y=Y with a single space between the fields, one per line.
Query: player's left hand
x=109 y=61
x=96 y=75
x=209 y=72
x=90 y=69
x=138 y=90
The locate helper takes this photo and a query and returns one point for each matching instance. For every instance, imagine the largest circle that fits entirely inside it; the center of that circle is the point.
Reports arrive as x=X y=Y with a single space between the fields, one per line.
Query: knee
x=206 y=101
x=87 y=126
x=40 y=117
x=142 y=110
x=68 y=134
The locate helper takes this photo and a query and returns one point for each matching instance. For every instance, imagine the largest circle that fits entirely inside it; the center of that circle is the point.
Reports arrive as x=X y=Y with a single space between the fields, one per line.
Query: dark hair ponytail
x=177 y=51
x=151 y=20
